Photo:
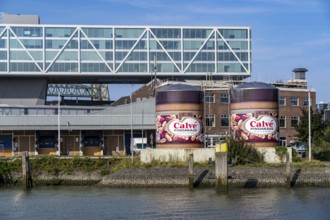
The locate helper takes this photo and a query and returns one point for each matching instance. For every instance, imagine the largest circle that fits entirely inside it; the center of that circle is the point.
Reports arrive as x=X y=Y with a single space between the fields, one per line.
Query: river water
x=90 y=202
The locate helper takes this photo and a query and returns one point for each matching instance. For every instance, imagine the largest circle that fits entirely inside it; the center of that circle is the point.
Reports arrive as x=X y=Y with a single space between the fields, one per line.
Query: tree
x=318 y=127
x=327 y=134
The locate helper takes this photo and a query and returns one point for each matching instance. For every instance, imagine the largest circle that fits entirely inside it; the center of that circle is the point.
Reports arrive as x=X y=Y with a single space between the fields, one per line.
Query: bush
x=240 y=153
x=7 y=168
x=323 y=155
x=295 y=157
x=281 y=152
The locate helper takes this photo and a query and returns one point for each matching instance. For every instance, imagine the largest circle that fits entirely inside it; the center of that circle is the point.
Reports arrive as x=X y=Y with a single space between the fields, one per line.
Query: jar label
x=185 y=127
x=179 y=128
x=255 y=125
x=263 y=125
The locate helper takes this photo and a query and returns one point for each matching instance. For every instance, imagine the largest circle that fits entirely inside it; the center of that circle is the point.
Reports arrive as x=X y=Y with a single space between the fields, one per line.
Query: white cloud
x=250 y=7
x=227 y=10
x=166 y=19
x=140 y=3
x=324 y=40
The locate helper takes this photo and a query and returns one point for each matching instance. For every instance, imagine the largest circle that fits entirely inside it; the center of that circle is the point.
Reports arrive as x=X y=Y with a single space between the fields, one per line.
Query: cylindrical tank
x=179 y=113
x=254 y=113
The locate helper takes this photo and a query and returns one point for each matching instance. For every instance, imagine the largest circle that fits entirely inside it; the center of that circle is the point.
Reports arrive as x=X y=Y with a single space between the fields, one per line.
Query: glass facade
x=188 y=51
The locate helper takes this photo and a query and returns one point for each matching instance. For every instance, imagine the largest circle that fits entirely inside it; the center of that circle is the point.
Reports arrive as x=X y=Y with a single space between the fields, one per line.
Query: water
x=180 y=203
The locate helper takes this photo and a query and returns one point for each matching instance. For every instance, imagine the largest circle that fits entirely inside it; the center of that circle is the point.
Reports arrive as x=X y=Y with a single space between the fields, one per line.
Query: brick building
x=293 y=97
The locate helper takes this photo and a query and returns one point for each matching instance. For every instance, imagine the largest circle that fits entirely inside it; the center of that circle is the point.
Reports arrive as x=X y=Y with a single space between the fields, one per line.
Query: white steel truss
x=114 y=66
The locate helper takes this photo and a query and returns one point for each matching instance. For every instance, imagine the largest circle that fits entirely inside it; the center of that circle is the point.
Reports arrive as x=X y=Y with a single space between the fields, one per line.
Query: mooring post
x=288 y=170
x=221 y=172
x=26 y=168
x=191 y=172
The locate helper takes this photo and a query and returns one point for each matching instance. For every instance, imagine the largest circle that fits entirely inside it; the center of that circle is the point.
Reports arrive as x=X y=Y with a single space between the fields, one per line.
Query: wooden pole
x=288 y=171
x=191 y=172
x=26 y=168
x=221 y=172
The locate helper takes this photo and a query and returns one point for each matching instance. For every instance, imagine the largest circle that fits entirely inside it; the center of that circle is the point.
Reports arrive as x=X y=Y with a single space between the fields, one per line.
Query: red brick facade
x=287 y=110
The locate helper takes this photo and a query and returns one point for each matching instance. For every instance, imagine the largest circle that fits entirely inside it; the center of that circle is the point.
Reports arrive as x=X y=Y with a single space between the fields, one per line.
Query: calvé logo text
x=264 y=124
x=185 y=127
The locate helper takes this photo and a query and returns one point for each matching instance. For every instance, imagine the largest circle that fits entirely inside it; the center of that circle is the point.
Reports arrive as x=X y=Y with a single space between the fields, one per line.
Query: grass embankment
x=50 y=170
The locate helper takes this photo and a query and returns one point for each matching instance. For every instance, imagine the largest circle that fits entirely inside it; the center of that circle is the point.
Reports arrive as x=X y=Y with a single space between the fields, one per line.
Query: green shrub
x=125 y=162
x=7 y=168
x=281 y=152
x=323 y=155
x=55 y=166
x=295 y=157
x=240 y=153
x=45 y=163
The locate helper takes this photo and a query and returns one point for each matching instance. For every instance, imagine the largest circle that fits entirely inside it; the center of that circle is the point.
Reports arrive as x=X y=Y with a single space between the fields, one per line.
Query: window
x=294 y=101
x=224 y=98
x=282 y=101
x=209 y=98
x=210 y=120
x=282 y=121
x=224 y=121
x=305 y=101
x=294 y=121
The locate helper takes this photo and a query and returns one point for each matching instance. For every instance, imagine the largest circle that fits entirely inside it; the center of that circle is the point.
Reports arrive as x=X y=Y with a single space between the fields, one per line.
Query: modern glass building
x=124 y=53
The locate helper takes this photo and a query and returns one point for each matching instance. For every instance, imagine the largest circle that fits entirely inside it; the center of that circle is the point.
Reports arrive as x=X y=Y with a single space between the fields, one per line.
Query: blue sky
x=285 y=33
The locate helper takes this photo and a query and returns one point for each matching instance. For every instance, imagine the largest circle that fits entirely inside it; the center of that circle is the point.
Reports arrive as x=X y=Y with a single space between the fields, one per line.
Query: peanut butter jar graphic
x=254 y=113
x=179 y=117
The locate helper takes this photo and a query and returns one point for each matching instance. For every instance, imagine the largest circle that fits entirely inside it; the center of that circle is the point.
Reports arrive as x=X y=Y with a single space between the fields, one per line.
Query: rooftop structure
x=19 y=19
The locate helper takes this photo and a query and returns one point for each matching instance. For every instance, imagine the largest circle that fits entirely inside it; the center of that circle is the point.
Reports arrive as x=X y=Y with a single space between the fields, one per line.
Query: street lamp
x=67 y=140
x=142 y=124
x=131 y=124
x=309 y=127
x=59 y=125
x=155 y=74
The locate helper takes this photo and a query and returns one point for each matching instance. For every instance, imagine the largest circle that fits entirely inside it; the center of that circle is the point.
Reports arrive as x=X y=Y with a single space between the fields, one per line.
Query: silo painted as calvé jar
x=179 y=117
x=254 y=113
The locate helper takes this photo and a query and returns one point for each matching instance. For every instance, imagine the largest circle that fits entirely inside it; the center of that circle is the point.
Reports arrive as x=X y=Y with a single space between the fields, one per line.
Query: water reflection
x=107 y=203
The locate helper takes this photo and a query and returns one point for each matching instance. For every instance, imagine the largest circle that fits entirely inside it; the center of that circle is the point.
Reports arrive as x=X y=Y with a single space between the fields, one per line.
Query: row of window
x=224 y=121
x=124 y=44
x=210 y=120
x=127 y=32
x=210 y=98
x=294 y=121
x=294 y=101
x=120 y=55
x=42 y=111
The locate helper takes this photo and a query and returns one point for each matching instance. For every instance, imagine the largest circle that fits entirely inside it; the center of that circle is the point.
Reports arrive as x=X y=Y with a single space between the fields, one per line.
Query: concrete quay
x=241 y=177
